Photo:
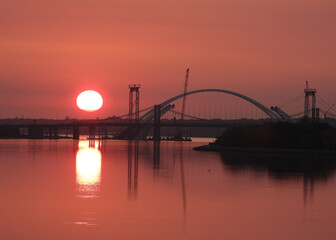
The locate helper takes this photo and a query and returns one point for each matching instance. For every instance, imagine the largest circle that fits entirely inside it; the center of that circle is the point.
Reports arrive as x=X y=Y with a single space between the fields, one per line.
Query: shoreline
x=218 y=148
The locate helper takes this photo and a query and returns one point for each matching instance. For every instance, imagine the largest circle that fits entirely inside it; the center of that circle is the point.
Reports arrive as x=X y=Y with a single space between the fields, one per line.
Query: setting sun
x=89 y=101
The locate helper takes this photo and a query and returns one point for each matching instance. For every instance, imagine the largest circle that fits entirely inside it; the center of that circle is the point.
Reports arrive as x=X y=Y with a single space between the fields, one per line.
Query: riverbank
x=218 y=148
x=304 y=137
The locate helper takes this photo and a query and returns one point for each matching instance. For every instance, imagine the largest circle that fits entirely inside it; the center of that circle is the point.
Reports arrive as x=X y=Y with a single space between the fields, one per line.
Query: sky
x=51 y=50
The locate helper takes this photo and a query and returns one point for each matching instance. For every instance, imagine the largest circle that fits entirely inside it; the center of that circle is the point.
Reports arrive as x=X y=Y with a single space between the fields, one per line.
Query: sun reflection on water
x=88 y=170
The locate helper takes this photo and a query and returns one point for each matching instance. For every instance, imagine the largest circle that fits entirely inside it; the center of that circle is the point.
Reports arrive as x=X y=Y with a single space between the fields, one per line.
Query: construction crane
x=179 y=131
x=184 y=93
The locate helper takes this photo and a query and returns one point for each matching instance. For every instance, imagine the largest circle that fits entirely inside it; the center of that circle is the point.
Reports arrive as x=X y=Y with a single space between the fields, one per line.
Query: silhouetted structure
x=157 y=118
x=133 y=113
x=179 y=131
x=135 y=127
x=281 y=135
x=75 y=132
x=313 y=112
x=53 y=133
x=35 y=132
x=92 y=131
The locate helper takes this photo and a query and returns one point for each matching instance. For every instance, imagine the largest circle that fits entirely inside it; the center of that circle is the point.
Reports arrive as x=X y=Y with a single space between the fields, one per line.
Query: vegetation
x=303 y=135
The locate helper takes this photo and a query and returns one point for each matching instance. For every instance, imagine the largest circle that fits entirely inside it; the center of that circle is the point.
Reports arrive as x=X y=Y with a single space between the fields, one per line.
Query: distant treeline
x=302 y=135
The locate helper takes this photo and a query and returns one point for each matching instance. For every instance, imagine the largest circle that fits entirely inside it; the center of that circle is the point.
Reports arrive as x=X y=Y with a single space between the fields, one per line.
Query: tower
x=310 y=113
x=133 y=113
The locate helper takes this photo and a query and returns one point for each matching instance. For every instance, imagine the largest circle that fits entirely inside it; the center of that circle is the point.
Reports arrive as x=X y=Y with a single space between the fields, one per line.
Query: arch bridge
x=273 y=112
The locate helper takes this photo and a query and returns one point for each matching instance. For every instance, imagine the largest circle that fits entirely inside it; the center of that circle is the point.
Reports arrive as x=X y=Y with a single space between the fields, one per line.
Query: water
x=63 y=189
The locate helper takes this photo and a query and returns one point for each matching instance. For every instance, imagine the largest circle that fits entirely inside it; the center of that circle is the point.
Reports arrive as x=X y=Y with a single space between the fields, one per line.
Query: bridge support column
x=157 y=119
x=309 y=92
x=55 y=133
x=133 y=113
x=50 y=133
x=317 y=113
x=35 y=132
x=105 y=133
x=75 y=132
x=92 y=132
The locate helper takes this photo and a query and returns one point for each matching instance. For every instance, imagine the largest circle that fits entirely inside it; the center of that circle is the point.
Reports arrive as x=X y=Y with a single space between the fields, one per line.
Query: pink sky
x=52 y=50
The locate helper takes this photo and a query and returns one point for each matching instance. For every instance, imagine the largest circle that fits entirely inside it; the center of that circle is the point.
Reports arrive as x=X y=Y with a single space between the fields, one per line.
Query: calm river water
x=64 y=189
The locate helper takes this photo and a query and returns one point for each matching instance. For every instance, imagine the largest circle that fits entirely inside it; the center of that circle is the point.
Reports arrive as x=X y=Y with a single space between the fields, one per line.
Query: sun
x=89 y=101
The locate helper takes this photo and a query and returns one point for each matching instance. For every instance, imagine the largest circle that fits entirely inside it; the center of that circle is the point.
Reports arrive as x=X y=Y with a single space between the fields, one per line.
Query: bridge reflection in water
x=158 y=169
x=166 y=160
x=310 y=169
x=48 y=192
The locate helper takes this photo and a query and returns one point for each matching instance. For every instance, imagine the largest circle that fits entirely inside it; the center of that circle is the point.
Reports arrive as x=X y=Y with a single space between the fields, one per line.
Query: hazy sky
x=51 y=50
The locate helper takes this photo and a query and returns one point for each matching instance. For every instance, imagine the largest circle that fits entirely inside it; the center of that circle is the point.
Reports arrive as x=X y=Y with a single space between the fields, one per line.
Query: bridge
x=208 y=108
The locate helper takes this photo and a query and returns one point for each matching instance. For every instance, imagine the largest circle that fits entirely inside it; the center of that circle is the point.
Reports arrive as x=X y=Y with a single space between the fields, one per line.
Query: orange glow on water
x=88 y=166
x=89 y=101
x=88 y=171
x=228 y=196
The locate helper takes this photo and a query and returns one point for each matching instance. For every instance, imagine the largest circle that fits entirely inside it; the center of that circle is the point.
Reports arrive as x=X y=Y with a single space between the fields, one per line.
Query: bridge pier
x=75 y=132
x=92 y=132
x=55 y=136
x=102 y=133
x=157 y=119
x=35 y=132
x=105 y=133
x=50 y=133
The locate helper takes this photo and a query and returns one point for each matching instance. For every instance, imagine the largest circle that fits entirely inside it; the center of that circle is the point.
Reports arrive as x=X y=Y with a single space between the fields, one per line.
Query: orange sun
x=89 y=101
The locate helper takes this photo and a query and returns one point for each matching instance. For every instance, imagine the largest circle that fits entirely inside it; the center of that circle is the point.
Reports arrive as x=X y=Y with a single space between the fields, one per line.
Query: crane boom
x=184 y=93
x=179 y=130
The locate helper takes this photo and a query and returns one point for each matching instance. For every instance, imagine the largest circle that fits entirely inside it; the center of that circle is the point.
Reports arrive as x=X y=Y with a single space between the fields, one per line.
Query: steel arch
x=149 y=114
